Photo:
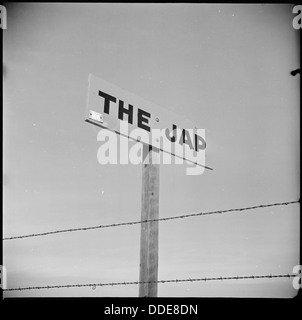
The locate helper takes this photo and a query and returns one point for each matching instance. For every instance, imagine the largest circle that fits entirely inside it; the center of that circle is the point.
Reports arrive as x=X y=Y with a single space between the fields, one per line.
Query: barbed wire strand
x=153 y=220
x=270 y=276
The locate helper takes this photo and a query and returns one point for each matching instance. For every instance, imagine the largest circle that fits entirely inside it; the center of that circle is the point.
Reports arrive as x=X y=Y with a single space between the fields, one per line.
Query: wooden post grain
x=149 y=230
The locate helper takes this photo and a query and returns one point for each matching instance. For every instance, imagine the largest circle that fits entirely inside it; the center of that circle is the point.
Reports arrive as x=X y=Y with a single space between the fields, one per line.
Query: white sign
x=108 y=106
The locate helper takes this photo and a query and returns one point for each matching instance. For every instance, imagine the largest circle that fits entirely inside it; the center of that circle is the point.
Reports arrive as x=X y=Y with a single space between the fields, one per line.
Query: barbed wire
x=153 y=220
x=205 y=279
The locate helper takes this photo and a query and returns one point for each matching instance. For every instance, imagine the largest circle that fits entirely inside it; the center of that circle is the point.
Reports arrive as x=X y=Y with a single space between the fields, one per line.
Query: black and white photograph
x=151 y=150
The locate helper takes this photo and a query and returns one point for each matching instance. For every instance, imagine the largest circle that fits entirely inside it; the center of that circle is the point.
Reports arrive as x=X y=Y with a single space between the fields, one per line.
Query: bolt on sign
x=109 y=106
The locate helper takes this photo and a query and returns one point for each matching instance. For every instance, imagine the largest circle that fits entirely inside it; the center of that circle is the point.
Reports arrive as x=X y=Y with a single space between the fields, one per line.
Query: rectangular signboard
x=123 y=112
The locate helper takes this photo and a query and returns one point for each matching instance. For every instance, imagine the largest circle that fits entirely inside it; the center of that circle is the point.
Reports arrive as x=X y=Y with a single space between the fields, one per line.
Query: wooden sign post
x=108 y=106
x=149 y=230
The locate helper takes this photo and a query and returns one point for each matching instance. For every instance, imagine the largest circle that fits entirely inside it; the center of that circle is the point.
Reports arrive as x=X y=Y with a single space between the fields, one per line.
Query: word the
x=142 y=121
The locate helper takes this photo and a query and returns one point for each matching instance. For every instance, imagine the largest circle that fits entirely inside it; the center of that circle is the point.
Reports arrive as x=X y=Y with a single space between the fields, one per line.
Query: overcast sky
x=225 y=67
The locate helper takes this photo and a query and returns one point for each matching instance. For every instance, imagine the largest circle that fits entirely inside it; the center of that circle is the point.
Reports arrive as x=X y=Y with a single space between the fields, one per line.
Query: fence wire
x=125 y=283
x=153 y=220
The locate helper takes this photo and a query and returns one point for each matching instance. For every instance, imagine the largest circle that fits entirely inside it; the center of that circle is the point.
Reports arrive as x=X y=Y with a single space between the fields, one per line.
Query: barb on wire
x=270 y=276
x=153 y=220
